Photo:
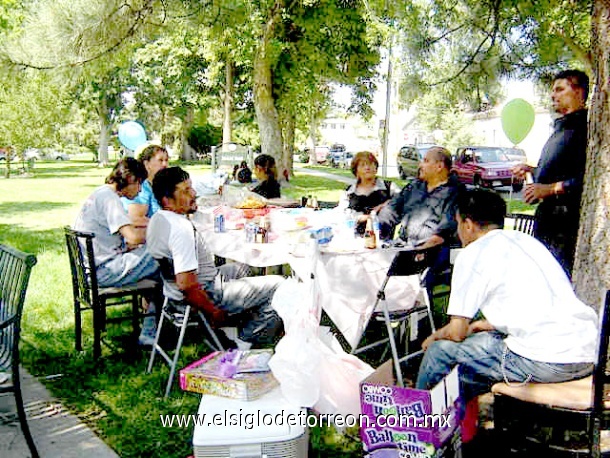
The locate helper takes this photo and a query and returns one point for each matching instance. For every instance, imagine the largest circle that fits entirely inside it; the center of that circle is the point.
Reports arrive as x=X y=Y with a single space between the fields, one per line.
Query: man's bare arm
x=137 y=214
x=432 y=241
x=456 y=330
x=195 y=296
x=133 y=236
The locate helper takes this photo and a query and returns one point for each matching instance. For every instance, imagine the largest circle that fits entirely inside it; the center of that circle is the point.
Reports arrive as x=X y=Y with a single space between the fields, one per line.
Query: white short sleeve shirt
x=523 y=292
x=173 y=236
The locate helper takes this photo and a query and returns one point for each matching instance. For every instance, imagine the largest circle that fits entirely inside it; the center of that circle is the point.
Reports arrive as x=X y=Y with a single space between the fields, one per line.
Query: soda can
x=219 y=223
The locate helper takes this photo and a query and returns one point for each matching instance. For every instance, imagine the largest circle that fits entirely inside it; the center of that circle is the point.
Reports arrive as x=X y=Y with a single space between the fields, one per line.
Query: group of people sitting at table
x=534 y=327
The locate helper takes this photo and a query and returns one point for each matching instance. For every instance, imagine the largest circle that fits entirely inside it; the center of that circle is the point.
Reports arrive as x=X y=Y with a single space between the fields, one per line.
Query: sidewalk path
x=57 y=433
x=323 y=174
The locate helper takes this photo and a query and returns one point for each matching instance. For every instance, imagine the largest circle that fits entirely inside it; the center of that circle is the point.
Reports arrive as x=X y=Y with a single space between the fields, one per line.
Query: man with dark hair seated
x=189 y=273
x=534 y=328
x=426 y=209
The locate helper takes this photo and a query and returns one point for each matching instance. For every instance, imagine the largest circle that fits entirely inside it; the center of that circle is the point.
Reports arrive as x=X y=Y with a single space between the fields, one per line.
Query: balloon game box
x=406 y=422
x=242 y=375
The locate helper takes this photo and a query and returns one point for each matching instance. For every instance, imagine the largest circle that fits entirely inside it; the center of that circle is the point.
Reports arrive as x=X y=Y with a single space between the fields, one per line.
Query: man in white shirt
x=189 y=273
x=534 y=327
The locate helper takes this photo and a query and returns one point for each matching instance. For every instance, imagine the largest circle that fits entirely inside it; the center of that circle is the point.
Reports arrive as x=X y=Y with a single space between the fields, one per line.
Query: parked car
x=335 y=153
x=4 y=152
x=32 y=154
x=409 y=157
x=486 y=166
x=515 y=154
x=57 y=156
x=321 y=153
x=342 y=160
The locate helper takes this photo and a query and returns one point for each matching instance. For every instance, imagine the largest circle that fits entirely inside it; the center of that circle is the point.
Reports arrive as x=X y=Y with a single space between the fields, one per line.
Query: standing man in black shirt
x=558 y=178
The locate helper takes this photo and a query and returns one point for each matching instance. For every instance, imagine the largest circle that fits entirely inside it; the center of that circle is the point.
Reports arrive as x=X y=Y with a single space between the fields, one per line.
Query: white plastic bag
x=340 y=375
x=309 y=363
x=296 y=359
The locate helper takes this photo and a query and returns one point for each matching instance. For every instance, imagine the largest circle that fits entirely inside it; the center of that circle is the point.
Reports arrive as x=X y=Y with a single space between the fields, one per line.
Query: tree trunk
x=289 y=126
x=102 y=148
x=592 y=265
x=313 y=128
x=187 y=122
x=264 y=103
x=228 y=103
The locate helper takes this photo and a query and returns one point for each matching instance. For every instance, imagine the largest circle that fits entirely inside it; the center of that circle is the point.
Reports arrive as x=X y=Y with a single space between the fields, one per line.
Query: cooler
x=227 y=437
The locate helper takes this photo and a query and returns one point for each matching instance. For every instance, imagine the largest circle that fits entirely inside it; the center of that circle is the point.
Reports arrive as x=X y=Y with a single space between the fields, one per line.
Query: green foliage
x=201 y=138
x=463 y=48
x=32 y=109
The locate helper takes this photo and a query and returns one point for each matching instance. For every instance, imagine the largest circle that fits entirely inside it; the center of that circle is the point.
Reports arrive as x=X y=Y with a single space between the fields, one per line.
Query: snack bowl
x=250 y=213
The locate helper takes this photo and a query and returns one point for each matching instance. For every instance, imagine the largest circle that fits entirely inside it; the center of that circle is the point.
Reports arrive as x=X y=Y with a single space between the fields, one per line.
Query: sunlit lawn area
x=114 y=396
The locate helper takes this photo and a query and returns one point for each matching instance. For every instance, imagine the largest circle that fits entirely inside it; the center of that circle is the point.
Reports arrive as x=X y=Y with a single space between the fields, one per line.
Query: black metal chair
x=523 y=223
x=405 y=263
x=15 y=269
x=577 y=410
x=89 y=296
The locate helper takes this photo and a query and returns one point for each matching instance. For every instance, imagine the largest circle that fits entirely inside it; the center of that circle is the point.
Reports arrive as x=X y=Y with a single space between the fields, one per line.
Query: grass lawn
x=114 y=396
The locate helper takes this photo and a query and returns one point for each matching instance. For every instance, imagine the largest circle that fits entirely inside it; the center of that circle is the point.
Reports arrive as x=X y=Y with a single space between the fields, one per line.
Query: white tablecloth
x=346 y=283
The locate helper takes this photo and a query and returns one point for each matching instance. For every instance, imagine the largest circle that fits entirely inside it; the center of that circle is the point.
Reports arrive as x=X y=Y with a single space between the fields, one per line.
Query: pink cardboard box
x=425 y=433
x=202 y=377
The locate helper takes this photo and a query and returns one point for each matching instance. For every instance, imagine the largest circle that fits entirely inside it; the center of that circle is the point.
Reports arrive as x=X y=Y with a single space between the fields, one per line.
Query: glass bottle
x=370 y=241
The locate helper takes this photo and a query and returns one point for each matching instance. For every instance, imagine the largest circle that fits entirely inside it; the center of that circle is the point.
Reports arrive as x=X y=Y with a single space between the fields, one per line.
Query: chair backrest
x=82 y=265
x=523 y=222
x=15 y=269
x=412 y=262
x=601 y=376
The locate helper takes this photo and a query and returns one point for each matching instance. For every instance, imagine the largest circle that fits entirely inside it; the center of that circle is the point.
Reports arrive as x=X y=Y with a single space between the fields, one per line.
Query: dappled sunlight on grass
x=114 y=396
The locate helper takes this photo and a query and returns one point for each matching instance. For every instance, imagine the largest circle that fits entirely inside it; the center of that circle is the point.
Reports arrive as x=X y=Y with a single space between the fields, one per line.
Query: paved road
x=505 y=191
x=321 y=173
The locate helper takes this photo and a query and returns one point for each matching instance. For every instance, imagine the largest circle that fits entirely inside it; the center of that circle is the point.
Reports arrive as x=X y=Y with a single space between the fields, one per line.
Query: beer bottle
x=370 y=240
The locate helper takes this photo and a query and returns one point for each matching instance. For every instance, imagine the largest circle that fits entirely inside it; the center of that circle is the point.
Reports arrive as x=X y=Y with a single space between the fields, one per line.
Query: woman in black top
x=369 y=192
x=265 y=171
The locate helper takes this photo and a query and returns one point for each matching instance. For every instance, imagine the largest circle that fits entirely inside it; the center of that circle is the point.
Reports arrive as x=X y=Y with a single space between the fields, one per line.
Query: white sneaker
x=148 y=333
x=146 y=340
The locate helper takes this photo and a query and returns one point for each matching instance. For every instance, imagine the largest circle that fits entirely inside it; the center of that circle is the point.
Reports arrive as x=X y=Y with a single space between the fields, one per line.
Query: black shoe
x=226 y=343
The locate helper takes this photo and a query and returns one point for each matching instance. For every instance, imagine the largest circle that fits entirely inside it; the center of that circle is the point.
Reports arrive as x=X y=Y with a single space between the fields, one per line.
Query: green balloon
x=517 y=120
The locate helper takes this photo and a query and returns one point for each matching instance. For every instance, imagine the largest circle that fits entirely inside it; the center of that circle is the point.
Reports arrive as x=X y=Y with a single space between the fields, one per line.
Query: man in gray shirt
x=120 y=255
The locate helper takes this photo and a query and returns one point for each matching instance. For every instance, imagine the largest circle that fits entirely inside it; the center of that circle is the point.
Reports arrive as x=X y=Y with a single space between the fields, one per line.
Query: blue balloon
x=132 y=134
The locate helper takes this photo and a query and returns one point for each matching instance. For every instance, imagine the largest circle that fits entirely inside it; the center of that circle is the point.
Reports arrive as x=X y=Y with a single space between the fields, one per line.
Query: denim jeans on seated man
x=127 y=268
x=484 y=359
x=247 y=301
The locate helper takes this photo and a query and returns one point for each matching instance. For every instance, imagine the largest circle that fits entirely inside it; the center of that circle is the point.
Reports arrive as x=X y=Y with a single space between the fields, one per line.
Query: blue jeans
x=126 y=268
x=484 y=360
